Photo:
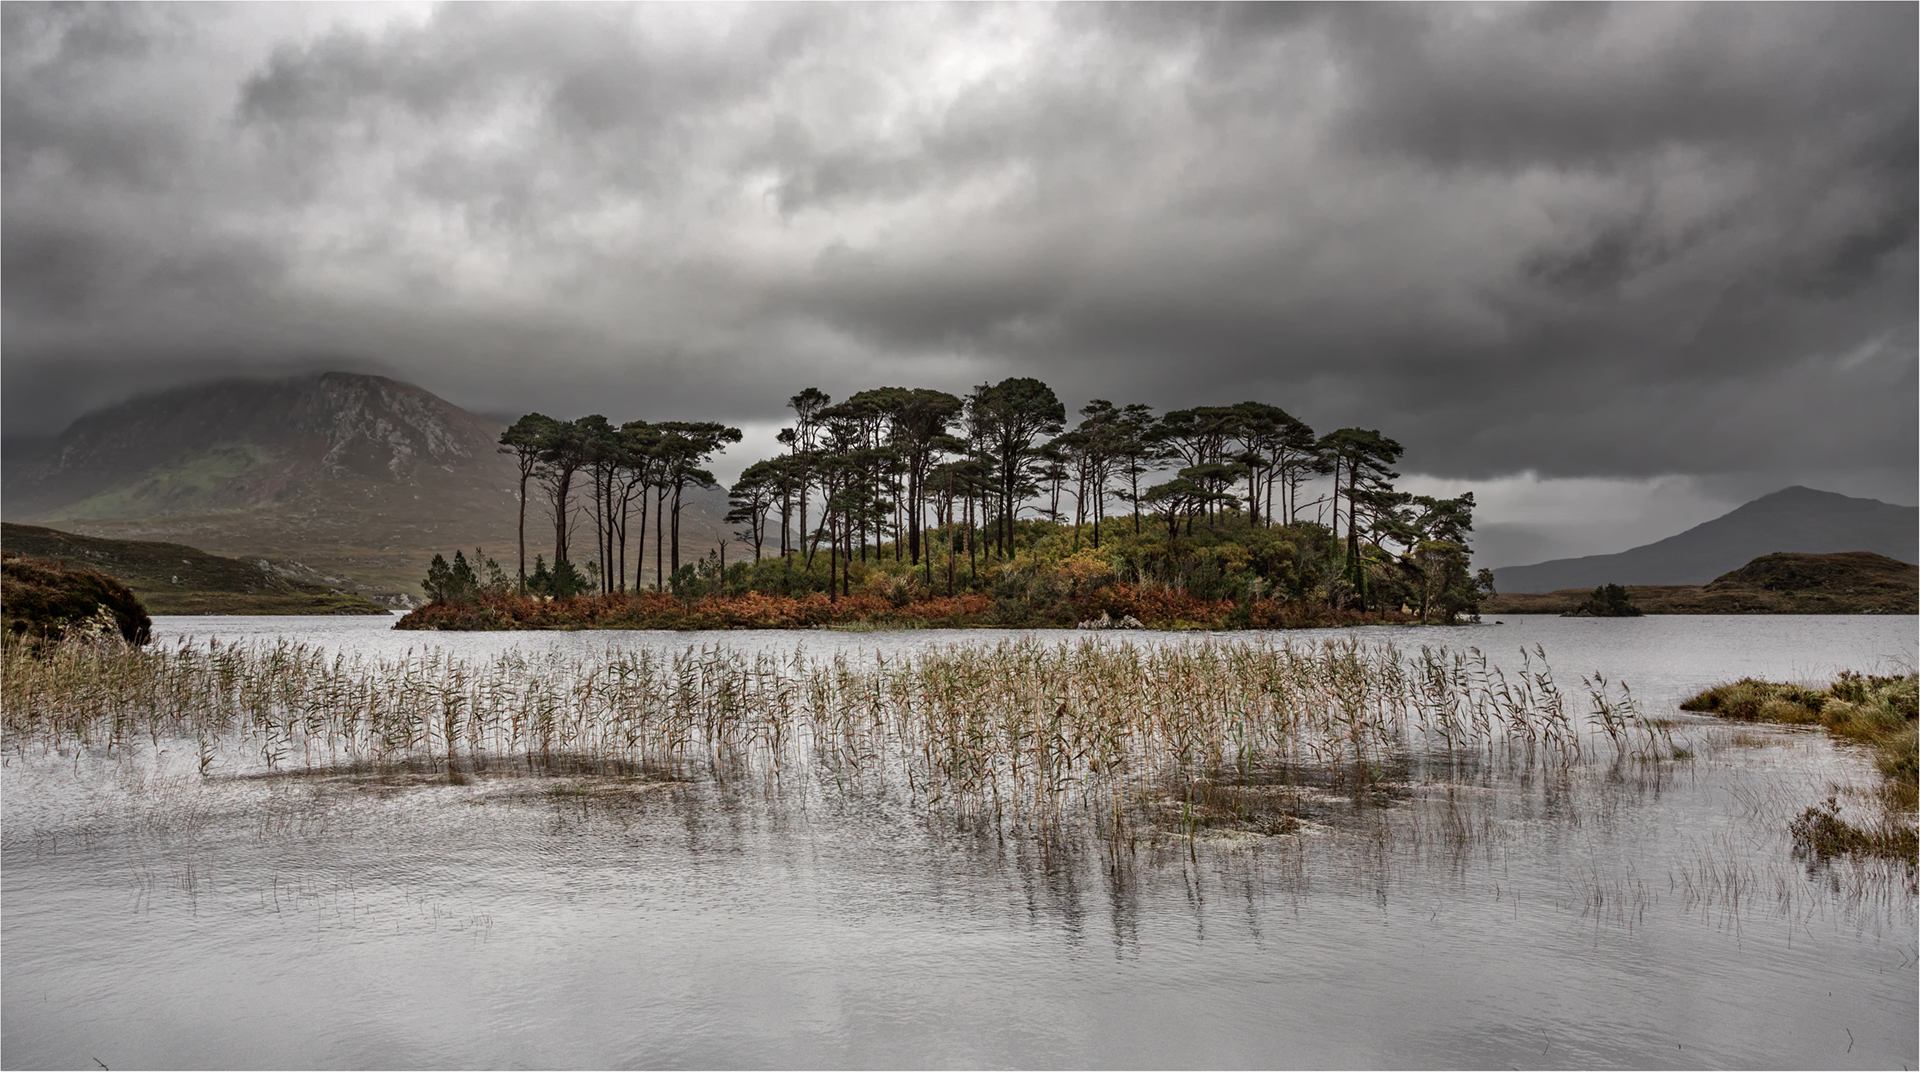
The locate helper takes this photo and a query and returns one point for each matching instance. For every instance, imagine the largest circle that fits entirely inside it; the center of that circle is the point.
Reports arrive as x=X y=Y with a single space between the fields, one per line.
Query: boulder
x=1107 y=621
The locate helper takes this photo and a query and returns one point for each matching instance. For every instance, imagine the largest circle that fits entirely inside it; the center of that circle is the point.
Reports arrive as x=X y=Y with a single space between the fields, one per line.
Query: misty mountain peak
x=244 y=443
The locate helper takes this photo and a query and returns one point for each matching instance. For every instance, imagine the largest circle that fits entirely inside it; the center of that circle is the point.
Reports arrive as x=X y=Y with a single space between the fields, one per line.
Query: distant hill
x=172 y=578
x=1853 y=582
x=1794 y=519
x=339 y=479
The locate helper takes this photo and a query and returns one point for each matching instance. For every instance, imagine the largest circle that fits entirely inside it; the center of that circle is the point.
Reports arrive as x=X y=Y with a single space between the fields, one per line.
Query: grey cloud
x=1593 y=86
x=1573 y=239
x=55 y=58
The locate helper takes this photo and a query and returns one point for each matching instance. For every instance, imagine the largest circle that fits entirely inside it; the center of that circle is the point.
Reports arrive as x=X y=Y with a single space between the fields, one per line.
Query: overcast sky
x=1617 y=268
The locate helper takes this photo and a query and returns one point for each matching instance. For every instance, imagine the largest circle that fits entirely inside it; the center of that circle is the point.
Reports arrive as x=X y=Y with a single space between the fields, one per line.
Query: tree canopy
x=916 y=484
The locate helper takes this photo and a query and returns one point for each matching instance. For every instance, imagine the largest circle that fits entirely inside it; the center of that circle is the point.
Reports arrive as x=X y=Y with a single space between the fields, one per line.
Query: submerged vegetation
x=918 y=496
x=1879 y=712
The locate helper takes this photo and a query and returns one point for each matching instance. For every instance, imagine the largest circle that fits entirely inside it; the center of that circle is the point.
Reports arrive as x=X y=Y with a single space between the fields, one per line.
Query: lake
x=1602 y=913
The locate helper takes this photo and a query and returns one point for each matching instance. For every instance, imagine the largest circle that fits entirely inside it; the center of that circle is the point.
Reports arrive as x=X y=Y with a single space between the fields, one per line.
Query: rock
x=1106 y=621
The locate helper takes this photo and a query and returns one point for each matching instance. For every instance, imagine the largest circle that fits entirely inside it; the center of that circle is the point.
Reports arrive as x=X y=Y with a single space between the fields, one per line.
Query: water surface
x=1646 y=915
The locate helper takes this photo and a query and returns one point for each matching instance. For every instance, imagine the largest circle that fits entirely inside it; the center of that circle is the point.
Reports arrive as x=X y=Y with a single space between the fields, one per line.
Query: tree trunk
x=1353 y=538
x=808 y=543
x=599 y=533
x=1133 y=478
x=675 y=527
x=562 y=494
x=523 y=532
x=626 y=515
x=1082 y=510
x=640 y=545
x=1099 y=508
x=913 y=516
x=973 y=563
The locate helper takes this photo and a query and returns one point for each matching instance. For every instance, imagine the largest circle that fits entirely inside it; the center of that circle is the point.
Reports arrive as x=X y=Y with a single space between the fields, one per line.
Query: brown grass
x=1880 y=712
x=1024 y=731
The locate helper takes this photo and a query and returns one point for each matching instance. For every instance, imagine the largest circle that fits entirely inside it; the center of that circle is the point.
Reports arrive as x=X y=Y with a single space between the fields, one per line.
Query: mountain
x=171 y=578
x=343 y=480
x=1793 y=519
x=1848 y=582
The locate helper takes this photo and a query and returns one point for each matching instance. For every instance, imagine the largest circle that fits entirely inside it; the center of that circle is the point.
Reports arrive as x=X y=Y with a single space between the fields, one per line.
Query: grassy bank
x=1153 y=607
x=1878 y=712
x=172 y=578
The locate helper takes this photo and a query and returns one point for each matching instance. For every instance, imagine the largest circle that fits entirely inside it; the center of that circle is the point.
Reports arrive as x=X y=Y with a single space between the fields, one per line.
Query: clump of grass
x=1784 y=710
x=1877 y=711
x=1751 y=700
x=1820 y=834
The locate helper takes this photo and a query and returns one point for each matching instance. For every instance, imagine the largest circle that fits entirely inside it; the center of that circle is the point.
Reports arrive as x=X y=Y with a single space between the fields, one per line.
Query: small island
x=901 y=507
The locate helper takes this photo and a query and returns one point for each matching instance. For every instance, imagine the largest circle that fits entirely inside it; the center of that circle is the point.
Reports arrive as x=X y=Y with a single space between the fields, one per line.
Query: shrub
x=1607 y=601
x=43 y=600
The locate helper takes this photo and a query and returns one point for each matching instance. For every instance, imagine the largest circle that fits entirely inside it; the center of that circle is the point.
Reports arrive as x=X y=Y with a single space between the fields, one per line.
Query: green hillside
x=172 y=578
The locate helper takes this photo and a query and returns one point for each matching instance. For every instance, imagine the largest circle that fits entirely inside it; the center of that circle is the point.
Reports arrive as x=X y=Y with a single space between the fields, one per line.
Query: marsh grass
x=1085 y=734
x=1879 y=712
x=1338 y=765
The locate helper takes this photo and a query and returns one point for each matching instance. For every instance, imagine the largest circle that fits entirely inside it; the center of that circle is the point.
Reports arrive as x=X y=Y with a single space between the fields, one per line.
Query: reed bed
x=1024 y=728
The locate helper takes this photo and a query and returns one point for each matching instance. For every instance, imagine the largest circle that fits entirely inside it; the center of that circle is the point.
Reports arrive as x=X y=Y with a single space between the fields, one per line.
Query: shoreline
x=1160 y=610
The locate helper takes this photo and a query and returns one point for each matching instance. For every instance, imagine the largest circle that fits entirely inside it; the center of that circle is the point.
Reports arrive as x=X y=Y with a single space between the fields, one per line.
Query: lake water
x=1651 y=916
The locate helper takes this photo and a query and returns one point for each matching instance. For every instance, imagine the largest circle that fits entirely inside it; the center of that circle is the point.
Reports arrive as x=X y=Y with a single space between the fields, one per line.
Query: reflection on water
x=542 y=911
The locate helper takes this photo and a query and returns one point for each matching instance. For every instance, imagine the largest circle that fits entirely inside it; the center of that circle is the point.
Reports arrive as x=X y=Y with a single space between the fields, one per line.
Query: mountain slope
x=172 y=578
x=239 y=444
x=1794 y=519
x=345 y=480
x=1848 y=582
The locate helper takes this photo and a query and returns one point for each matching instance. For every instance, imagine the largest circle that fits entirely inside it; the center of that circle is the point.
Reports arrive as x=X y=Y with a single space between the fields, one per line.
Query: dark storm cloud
x=1577 y=240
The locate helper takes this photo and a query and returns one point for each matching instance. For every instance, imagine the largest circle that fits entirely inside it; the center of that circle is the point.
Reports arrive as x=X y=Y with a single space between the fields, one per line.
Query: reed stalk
x=1025 y=729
